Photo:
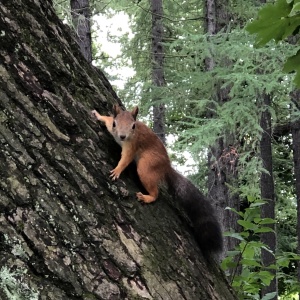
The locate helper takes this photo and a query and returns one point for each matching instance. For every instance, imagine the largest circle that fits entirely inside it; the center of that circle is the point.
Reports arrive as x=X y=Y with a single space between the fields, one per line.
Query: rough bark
x=80 y=10
x=268 y=193
x=158 y=78
x=221 y=171
x=66 y=230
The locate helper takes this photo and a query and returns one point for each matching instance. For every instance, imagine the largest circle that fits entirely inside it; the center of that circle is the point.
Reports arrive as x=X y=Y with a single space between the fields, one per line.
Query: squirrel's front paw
x=115 y=174
x=96 y=115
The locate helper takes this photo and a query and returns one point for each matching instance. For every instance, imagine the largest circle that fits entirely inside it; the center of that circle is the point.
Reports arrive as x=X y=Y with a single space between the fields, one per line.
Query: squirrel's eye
x=114 y=124
x=133 y=126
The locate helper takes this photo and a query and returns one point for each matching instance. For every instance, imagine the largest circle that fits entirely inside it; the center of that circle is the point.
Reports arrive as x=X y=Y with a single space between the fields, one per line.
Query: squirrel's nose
x=122 y=137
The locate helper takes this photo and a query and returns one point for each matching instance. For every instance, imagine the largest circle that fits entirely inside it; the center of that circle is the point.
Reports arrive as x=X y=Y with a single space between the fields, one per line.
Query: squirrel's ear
x=116 y=110
x=135 y=112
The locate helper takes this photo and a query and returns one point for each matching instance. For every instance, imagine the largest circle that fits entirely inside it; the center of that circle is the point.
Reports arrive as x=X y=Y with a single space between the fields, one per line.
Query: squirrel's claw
x=140 y=196
x=114 y=174
x=94 y=113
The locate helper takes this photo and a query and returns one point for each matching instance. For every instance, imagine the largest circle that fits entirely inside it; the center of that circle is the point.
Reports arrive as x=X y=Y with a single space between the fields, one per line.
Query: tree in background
x=296 y=156
x=80 y=11
x=158 y=79
x=222 y=155
x=268 y=195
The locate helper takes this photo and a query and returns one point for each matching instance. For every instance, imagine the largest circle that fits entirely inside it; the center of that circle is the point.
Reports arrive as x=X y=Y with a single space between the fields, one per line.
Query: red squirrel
x=141 y=144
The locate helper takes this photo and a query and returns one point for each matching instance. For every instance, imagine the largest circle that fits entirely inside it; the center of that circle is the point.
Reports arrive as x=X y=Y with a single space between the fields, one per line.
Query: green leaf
x=271 y=23
x=257 y=204
x=247 y=225
x=234 y=210
x=283 y=261
x=293 y=24
x=248 y=253
x=233 y=253
x=267 y=221
x=264 y=229
x=250 y=262
x=256 y=244
x=265 y=277
x=234 y=235
x=293 y=64
x=227 y=264
x=295 y=9
x=269 y=296
x=267 y=249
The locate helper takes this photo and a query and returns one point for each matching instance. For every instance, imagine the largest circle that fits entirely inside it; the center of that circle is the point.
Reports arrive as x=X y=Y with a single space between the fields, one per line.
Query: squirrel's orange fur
x=139 y=143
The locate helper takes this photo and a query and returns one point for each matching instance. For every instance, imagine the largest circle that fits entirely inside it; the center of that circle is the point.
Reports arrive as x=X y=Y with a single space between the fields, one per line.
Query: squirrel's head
x=123 y=126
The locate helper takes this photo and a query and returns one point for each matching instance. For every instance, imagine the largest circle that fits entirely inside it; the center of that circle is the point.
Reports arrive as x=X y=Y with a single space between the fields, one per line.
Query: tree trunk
x=296 y=155
x=267 y=193
x=67 y=231
x=81 y=14
x=158 y=79
x=221 y=172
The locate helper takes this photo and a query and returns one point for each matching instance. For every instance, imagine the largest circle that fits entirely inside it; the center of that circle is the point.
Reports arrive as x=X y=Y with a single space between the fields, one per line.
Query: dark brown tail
x=207 y=229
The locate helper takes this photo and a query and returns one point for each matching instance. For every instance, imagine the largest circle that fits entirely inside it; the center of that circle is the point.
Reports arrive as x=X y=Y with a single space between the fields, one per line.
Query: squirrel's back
x=151 y=148
x=207 y=230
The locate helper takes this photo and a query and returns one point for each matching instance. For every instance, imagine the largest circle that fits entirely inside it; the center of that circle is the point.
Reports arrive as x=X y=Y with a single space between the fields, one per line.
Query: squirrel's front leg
x=107 y=120
x=127 y=157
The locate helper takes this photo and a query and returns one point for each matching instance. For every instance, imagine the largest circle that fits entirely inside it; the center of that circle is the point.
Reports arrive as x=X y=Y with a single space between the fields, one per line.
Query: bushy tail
x=207 y=229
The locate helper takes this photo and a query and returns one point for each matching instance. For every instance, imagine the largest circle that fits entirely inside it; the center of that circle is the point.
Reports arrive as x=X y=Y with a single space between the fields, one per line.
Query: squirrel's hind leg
x=150 y=182
x=145 y=198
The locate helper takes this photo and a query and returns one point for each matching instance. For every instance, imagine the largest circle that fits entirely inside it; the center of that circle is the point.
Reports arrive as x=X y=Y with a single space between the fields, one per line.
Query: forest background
x=230 y=106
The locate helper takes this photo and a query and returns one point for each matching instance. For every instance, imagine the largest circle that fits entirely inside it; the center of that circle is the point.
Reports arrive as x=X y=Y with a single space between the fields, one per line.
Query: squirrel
x=141 y=144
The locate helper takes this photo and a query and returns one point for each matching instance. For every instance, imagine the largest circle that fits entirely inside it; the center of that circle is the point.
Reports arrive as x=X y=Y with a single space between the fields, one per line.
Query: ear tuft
x=116 y=110
x=135 y=112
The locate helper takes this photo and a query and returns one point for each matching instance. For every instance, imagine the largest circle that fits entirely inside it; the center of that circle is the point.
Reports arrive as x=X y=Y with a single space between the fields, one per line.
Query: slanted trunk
x=67 y=231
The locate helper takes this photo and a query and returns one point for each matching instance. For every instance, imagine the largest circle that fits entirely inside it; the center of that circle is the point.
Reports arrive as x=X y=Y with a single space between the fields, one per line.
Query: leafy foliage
x=249 y=275
x=277 y=22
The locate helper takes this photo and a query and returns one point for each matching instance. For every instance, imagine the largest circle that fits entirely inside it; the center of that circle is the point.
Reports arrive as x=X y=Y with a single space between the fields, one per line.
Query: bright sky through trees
x=106 y=29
